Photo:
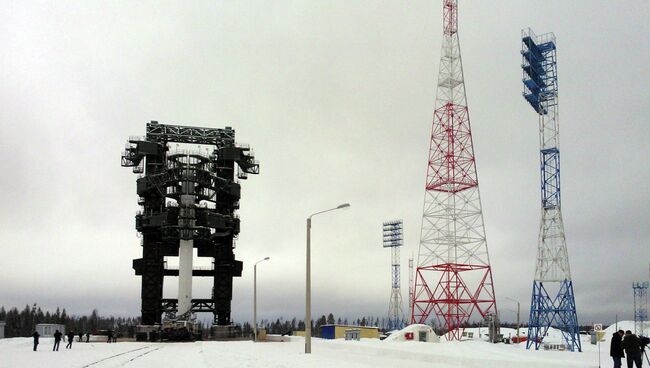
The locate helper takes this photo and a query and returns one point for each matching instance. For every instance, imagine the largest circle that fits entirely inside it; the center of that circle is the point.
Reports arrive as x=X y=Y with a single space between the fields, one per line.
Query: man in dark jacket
x=632 y=346
x=615 y=348
x=36 y=335
x=57 y=340
x=70 y=340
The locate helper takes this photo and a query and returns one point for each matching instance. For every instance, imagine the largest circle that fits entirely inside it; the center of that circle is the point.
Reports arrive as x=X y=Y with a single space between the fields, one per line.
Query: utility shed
x=48 y=329
x=2 y=329
x=338 y=331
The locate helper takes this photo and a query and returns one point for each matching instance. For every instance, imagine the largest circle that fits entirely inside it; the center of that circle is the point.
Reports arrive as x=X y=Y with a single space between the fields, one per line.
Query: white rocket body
x=185 y=258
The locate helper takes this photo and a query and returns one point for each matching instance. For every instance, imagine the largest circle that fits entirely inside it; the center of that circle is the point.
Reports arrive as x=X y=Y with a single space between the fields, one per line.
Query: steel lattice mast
x=393 y=239
x=453 y=275
x=553 y=301
x=640 y=306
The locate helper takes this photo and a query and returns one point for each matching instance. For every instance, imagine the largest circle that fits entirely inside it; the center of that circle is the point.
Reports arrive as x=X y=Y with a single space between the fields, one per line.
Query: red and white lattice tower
x=453 y=278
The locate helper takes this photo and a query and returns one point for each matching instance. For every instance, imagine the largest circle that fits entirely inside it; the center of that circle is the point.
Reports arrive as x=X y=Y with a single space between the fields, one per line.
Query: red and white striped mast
x=453 y=276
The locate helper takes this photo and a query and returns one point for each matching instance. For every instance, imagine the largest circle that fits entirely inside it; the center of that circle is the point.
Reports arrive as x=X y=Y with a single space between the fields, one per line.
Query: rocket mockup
x=186 y=222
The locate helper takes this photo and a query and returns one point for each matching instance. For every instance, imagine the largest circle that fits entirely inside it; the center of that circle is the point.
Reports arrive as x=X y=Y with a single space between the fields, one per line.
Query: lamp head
x=267 y=258
x=344 y=205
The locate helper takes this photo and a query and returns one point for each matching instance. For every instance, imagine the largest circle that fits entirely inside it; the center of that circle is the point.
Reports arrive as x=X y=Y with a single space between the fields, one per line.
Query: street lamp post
x=255 y=297
x=518 y=305
x=308 y=281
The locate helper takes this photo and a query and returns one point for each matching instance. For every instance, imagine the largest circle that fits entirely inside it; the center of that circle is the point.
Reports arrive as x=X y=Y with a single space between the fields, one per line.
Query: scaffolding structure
x=393 y=238
x=189 y=200
x=553 y=300
x=453 y=278
x=640 y=306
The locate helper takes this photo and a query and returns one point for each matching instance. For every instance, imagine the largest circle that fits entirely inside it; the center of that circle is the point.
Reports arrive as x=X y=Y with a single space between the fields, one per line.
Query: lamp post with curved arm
x=308 y=281
x=255 y=297
x=516 y=301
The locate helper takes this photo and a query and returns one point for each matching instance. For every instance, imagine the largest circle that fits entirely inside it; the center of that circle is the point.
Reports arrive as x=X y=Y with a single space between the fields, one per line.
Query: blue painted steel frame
x=539 y=64
x=550 y=167
x=544 y=312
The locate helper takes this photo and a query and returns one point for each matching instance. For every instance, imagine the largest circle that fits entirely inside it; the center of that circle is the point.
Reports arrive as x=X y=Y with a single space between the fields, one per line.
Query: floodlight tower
x=393 y=239
x=640 y=306
x=553 y=301
x=453 y=276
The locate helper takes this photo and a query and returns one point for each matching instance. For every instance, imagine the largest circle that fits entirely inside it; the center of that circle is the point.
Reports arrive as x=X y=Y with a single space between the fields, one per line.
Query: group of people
x=627 y=344
x=58 y=336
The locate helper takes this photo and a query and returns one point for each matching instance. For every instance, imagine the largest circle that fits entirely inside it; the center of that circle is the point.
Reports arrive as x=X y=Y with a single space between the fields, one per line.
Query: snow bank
x=17 y=353
x=414 y=332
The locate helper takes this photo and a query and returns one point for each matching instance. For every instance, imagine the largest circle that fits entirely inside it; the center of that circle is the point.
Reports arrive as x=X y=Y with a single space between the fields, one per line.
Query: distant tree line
x=21 y=323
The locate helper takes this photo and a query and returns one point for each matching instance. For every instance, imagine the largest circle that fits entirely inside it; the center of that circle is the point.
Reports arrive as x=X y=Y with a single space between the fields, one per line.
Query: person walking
x=615 y=348
x=57 y=340
x=70 y=340
x=87 y=337
x=36 y=335
x=110 y=336
x=81 y=336
x=632 y=346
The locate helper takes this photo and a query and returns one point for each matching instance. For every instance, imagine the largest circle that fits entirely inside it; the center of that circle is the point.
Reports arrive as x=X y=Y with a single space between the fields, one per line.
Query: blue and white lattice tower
x=553 y=301
x=640 y=306
x=393 y=239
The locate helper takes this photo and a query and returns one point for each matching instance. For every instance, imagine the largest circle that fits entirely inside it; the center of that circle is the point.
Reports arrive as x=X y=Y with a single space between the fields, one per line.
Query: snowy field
x=17 y=352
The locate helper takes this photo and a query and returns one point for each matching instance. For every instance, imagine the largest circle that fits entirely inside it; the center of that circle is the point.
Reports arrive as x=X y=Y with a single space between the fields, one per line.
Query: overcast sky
x=336 y=99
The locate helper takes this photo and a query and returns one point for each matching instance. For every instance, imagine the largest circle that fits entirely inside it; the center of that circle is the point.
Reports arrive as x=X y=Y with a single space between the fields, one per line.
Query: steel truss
x=393 y=238
x=555 y=307
x=453 y=278
x=640 y=306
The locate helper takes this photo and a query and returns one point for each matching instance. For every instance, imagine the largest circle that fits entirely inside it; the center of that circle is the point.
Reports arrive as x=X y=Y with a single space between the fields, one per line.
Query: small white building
x=415 y=332
x=2 y=330
x=48 y=329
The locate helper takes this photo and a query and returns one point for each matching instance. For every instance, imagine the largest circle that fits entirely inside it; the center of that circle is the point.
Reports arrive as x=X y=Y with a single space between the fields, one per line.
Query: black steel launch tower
x=188 y=195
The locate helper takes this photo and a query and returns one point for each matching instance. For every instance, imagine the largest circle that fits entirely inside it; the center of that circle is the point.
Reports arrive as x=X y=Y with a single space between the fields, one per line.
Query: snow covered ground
x=17 y=352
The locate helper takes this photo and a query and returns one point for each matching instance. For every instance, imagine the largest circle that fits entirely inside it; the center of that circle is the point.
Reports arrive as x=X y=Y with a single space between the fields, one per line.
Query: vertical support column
x=152 y=252
x=152 y=280
x=223 y=275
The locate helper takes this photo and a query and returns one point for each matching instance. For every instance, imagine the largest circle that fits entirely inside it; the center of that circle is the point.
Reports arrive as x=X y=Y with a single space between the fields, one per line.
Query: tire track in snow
x=141 y=355
x=117 y=355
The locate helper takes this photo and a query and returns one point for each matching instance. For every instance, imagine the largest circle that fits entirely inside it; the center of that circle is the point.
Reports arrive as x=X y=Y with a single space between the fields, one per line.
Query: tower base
x=559 y=312
x=461 y=289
